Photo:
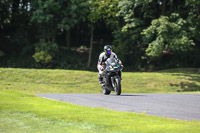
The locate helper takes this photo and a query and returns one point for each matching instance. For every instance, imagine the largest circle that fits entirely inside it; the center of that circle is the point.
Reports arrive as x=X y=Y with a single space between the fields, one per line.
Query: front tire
x=117 y=86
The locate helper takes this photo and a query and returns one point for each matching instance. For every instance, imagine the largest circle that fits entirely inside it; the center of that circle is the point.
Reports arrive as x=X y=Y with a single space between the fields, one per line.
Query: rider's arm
x=99 y=64
x=120 y=62
x=115 y=56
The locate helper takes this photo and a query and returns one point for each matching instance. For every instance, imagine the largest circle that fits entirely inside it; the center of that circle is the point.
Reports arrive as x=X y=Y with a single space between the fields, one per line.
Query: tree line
x=70 y=34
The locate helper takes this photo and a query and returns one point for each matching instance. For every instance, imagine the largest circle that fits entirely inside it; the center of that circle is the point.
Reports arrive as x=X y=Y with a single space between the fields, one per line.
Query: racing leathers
x=101 y=63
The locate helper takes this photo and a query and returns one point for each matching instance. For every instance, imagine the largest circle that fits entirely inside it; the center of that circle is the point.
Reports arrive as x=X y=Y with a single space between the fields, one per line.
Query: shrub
x=45 y=52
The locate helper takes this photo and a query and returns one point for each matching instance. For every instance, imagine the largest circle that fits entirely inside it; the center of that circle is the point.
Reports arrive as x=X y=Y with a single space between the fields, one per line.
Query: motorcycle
x=112 y=77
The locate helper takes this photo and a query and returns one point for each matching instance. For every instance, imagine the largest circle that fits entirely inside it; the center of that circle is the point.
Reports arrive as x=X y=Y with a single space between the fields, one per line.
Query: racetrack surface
x=173 y=105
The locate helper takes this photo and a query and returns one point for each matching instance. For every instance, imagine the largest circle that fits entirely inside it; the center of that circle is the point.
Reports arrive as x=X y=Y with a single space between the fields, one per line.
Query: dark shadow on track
x=127 y=95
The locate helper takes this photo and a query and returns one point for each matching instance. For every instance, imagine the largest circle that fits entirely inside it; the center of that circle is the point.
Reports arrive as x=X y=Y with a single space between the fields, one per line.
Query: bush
x=45 y=52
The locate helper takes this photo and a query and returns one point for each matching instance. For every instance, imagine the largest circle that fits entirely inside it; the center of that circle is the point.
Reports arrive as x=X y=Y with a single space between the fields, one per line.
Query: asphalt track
x=176 y=105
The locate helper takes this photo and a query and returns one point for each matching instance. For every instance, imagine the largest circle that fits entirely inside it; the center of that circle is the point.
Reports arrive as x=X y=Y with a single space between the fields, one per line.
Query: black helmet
x=108 y=49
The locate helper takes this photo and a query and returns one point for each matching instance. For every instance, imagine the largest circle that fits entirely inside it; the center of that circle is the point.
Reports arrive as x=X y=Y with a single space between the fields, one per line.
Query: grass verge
x=22 y=112
x=69 y=81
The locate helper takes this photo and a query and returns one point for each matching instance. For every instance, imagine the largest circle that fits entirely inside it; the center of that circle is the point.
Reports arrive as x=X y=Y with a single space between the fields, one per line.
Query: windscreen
x=111 y=61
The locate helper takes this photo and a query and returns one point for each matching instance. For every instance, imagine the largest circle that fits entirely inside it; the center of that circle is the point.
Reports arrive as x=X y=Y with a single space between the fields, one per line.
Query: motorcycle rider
x=103 y=57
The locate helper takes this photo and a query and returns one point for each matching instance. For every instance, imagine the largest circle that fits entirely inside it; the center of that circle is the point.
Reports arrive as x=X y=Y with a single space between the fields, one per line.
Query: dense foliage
x=145 y=34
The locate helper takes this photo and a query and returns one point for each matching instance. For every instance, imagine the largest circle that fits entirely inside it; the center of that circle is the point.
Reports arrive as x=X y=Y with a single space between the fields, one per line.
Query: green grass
x=69 y=81
x=49 y=81
x=22 y=111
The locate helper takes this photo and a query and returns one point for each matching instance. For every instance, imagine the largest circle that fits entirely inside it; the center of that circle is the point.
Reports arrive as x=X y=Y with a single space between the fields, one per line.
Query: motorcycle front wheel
x=117 y=86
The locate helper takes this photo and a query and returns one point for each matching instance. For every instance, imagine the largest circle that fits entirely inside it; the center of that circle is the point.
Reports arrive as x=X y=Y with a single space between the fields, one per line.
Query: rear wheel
x=105 y=91
x=117 y=86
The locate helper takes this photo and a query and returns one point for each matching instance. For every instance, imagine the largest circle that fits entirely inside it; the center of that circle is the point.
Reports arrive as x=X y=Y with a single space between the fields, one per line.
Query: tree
x=155 y=31
x=167 y=33
x=175 y=33
x=53 y=16
x=101 y=10
x=72 y=13
x=194 y=21
x=14 y=25
x=133 y=17
x=45 y=15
